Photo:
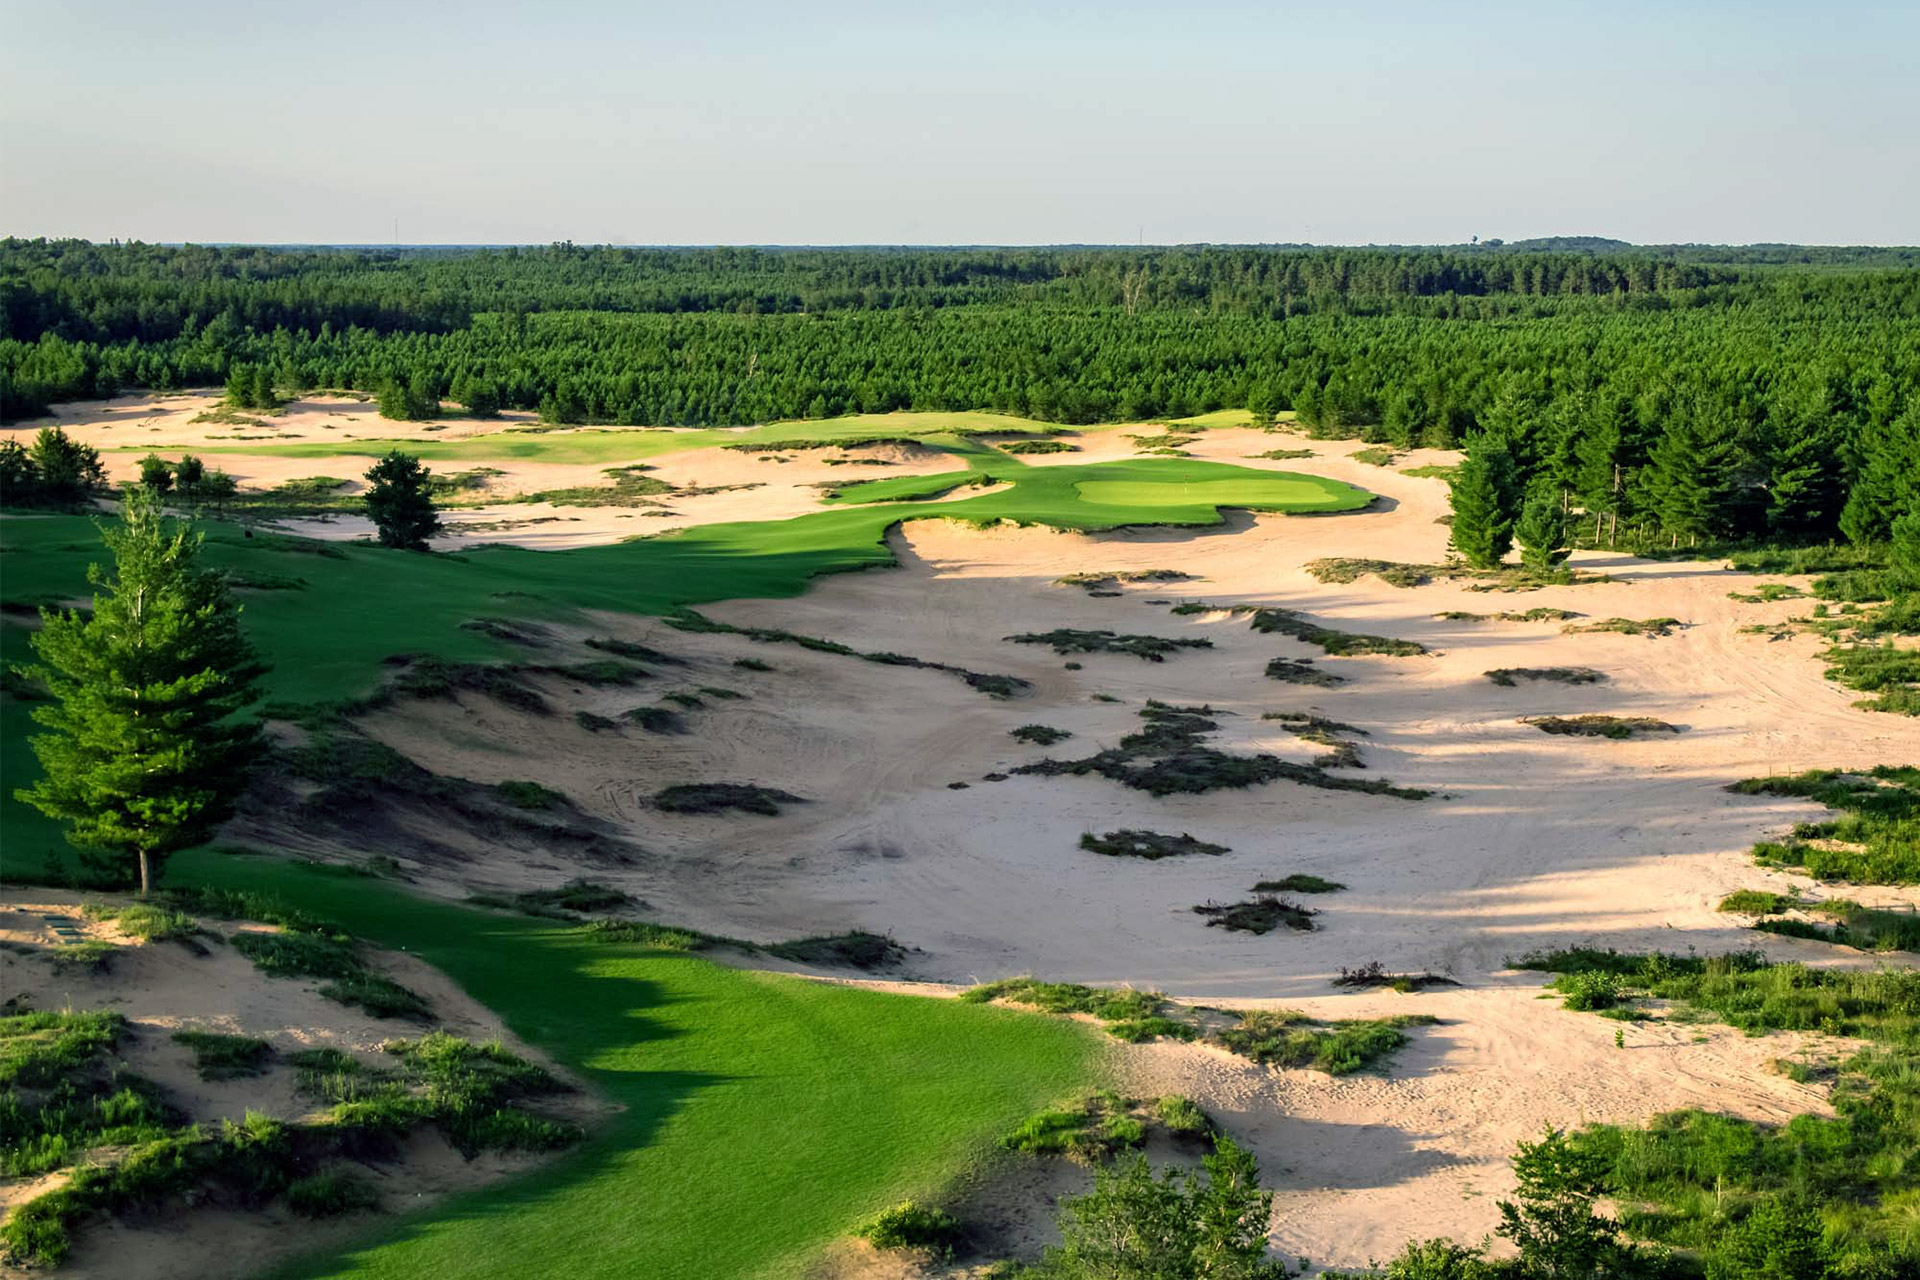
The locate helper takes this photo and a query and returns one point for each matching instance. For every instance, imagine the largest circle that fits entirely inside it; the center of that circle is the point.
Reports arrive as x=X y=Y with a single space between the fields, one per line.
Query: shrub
x=914 y=1226
x=1094 y=1131
x=1183 y=1117
x=1039 y=734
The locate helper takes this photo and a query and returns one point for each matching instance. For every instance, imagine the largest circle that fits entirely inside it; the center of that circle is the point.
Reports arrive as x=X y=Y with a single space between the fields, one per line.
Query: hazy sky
x=920 y=121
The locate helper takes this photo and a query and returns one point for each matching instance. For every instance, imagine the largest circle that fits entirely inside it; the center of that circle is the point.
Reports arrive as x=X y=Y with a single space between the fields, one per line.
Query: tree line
x=1659 y=393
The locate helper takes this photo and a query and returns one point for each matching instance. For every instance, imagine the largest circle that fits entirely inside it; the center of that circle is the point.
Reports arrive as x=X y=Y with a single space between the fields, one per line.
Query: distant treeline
x=1784 y=358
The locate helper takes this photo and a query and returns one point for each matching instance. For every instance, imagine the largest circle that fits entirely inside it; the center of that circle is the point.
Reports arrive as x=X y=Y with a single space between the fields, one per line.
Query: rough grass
x=1508 y=677
x=1874 y=837
x=1091 y=1132
x=996 y=686
x=1169 y=757
x=1298 y=883
x=1151 y=845
x=1599 y=726
x=1039 y=734
x=1688 y=1175
x=1395 y=573
x=1649 y=627
x=1512 y=615
x=856 y=949
x=1757 y=902
x=1112 y=579
x=1374 y=974
x=225 y=1057
x=723 y=797
x=1152 y=648
x=335 y=958
x=1863 y=928
x=1284 y=1038
x=1261 y=914
x=528 y=795
x=1301 y=671
x=1337 y=643
x=1130 y=1015
x=147 y=921
x=573 y=898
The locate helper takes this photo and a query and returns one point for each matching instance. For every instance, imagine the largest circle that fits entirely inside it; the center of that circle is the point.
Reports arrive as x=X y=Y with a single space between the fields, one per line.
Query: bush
x=1094 y=1131
x=1039 y=734
x=1263 y=914
x=914 y=1226
x=1183 y=1117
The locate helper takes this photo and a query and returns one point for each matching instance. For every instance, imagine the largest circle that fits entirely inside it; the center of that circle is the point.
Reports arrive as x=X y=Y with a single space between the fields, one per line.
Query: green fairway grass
x=763 y=1116
x=605 y=446
x=1298 y=493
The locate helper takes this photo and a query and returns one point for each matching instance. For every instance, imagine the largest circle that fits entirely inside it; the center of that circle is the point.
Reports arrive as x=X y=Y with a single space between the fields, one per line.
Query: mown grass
x=896 y=1094
x=1875 y=837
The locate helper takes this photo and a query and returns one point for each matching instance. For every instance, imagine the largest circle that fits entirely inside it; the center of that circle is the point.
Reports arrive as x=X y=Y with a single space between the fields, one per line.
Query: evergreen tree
x=1887 y=483
x=1608 y=454
x=1808 y=485
x=400 y=502
x=1210 y=1225
x=1551 y=1218
x=1542 y=533
x=482 y=398
x=19 y=477
x=260 y=393
x=189 y=474
x=144 y=755
x=1904 y=551
x=1483 y=495
x=240 y=386
x=68 y=471
x=1687 y=477
x=156 y=473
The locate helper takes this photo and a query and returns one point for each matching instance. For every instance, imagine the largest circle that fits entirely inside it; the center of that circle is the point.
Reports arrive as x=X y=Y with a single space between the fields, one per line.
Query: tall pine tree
x=1542 y=532
x=1807 y=485
x=1688 y=476
x=1887 y=483
x=1483 y=495
x=144 y=753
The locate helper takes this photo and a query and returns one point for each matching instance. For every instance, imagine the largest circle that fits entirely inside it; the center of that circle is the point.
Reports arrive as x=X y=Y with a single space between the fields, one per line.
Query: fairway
x=1277 y=493
x=795 y=1107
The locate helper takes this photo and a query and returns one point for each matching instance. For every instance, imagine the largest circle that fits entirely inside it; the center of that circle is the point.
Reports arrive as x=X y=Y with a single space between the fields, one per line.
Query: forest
x=1679 y=392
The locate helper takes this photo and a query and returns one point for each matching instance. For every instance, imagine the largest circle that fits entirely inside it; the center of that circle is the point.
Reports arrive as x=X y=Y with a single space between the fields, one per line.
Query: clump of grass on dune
x=1285 y=1038
x=1261 y=914
x=1301 y=671
x=335 y=958
x=1107 y=581
x=913 y=1226
x=1649 y=627
x=225 y=1057
x=1509 y=677
x=1338 y=643
x=1374 y=974
x=1875 y=837
x=1152 y=845
x=1863 y=928
x=723 y=797
x=1152 y=648
x=856 y=949
x=1039 y=734
x=1522 y=615
x=562 y=903
x=1757 y=902
x=1091 y=1132
x=1130 y=1015
x=1599 y=726
x=1298 y=883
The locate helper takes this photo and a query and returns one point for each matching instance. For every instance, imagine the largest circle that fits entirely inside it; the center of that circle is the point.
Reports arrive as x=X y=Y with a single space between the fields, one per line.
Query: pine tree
x=1904 y=551
x=1808 y=486
x=240 y=386
x=1888 y=481
x=1688 y=476
x=144 y=755
x=260 y=395
x=1542 y=533
x=68 y=471
x=156 y=473
x=400 y=502
x=1482 y=495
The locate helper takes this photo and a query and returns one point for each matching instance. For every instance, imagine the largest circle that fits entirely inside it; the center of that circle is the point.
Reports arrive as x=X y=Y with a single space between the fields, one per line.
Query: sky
x=927 y=122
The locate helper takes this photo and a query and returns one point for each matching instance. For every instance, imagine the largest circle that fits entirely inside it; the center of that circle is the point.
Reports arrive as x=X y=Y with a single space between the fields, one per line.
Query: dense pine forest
x=1683 y=392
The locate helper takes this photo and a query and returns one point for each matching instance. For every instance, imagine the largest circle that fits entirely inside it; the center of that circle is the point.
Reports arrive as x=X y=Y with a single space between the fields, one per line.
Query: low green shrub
x=1508 y=677
x=528 y=795
x=1757 y=902
x=1598 y=726
x=1151 y=648
x=1298 y=883
x=1338 y=643
x=1090 y=1133
x=1183 y=1117
x=1039 y=734
x=909 y=1225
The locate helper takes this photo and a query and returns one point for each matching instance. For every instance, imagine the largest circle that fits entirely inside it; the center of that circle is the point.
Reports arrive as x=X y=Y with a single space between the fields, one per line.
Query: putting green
x=1277 y=491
